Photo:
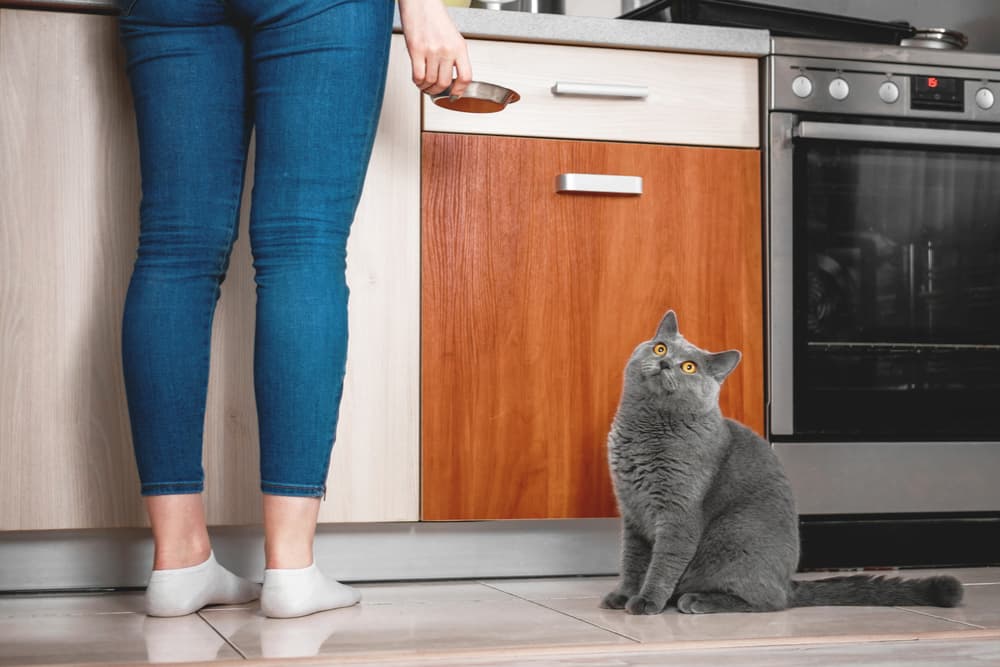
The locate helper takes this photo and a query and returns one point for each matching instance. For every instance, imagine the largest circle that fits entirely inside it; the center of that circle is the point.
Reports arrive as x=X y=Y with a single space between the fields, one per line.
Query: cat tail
x=866 y=590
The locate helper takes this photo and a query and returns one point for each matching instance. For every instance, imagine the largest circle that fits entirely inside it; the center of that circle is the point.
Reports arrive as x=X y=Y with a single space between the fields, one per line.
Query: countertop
x=597 y=31
x=77 y=6
x=546 y=28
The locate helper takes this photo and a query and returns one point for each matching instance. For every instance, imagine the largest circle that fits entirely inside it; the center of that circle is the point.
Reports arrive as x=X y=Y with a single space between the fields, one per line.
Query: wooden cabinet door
x=533 y=300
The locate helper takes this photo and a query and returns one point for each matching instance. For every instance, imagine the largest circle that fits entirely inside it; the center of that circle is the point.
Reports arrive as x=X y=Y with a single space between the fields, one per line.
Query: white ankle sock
x=290 y=593
x=185 y=590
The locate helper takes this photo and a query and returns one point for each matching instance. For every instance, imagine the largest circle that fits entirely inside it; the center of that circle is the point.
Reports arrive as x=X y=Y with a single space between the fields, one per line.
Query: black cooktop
x=780 y=21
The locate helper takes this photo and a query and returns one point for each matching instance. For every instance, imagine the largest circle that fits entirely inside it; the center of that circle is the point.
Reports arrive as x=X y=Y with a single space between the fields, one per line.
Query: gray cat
x=709 y=523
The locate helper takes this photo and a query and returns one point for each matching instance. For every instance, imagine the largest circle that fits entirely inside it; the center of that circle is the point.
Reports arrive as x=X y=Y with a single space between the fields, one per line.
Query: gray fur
x=707 y=513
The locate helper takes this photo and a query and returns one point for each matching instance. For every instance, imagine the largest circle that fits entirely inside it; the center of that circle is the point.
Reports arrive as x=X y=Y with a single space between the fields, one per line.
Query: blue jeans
x=309 y=76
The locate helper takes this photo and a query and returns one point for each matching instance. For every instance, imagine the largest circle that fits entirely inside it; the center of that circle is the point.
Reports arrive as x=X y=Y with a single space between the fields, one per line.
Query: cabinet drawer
x=683 y=98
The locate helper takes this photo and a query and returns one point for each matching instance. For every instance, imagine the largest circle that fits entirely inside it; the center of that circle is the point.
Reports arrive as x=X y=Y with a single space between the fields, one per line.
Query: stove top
x=884 y=53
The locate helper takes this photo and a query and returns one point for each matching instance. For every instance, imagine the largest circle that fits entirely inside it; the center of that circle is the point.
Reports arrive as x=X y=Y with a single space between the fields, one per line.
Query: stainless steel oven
x=883 y=225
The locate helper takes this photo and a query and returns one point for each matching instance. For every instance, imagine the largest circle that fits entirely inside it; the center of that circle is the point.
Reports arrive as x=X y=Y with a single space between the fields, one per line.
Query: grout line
x=942 y=618
x=567 y=614
x=224 y=638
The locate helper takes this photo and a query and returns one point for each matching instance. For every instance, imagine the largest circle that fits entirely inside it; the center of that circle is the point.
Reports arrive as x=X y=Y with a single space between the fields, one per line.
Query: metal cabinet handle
x=600 y=90
x=599 y=183
x=896 y=135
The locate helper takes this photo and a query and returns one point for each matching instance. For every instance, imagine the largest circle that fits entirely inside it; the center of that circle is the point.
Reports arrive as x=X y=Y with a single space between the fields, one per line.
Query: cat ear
x=722 y=364
x=668 y=326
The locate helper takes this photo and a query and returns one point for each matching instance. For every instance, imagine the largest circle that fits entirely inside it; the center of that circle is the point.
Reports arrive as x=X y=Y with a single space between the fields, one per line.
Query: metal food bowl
x=479 y=97
x=936 y=38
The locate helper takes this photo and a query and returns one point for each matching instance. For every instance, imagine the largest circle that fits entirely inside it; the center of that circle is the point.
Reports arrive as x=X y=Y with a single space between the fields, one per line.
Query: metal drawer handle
x=600 y=90
x=599 y=183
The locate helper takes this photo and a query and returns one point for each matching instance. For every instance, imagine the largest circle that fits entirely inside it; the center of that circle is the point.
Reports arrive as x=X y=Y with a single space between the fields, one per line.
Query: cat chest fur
x=656 y=474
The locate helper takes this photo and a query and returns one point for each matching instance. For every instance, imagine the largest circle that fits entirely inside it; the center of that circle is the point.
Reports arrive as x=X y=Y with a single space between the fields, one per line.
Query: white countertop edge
x=605 y=32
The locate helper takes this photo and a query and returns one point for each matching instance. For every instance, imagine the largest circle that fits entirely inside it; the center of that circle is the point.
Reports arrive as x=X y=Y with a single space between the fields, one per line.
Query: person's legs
x=289 y=529
x=180 y=536
x=187 y=67
x=318 y=70
x=293 y=585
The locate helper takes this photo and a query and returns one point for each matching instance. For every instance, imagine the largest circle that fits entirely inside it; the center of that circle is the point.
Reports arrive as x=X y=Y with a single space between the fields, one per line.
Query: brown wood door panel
x=532 y=302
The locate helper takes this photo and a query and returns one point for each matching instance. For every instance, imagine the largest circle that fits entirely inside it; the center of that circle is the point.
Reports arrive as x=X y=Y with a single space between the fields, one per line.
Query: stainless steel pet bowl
x=479 y=97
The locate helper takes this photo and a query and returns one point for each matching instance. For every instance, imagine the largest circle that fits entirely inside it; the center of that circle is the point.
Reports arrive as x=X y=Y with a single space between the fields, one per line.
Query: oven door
x=884 y=296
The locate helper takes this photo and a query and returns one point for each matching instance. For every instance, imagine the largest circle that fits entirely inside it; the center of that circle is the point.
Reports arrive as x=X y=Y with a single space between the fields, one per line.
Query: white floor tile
x=980 y=607
x=805 y=622
x=62 y=605
x=410 y=618
x=580 y=597
x=561 y=588
x=108 y=638
x=958 y=653
x=506 y=623
x=430 y=592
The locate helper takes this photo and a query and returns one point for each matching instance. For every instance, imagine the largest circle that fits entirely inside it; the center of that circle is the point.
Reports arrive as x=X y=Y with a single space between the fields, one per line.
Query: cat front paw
x=614 y=600
x=644 y=606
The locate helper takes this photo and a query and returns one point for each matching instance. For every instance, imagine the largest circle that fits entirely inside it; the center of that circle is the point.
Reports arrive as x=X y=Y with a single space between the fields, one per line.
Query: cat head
x=675 y=375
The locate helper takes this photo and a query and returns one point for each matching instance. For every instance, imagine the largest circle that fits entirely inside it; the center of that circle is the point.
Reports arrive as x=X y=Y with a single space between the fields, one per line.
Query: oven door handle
x=887 y=134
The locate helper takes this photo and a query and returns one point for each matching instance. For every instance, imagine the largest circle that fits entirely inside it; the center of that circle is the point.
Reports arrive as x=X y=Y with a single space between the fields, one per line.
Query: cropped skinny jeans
x=308 y=77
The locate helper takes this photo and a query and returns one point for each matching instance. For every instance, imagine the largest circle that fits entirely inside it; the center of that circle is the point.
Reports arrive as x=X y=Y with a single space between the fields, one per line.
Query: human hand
x=437 y=49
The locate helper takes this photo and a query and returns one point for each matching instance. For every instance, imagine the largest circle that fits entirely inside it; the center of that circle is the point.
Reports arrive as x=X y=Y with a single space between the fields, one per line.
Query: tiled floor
x=508 y=623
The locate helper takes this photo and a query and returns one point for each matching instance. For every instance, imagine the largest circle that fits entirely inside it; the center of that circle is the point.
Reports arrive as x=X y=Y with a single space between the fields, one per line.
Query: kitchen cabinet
x=69 y=197
x=521 y=304
x=533 y=300
x=375 y=469
x=575 y=92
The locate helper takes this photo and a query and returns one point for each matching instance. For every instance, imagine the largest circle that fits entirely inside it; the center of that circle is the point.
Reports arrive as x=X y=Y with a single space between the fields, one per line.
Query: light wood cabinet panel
x=69 y=196
x=69 y=192
x=532 y=302
x=689 y=99
x=375 y=472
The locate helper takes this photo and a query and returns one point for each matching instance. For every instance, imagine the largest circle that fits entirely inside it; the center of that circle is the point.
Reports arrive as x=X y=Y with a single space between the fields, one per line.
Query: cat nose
x=664 y=364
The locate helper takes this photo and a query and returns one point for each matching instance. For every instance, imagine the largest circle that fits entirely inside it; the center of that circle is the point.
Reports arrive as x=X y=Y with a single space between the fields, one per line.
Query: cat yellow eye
x=659 y=349
x=689 y=367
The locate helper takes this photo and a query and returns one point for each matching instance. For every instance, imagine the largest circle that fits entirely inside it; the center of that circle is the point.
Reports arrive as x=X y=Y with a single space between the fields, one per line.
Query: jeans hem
x=171 y=488
x=297 y=490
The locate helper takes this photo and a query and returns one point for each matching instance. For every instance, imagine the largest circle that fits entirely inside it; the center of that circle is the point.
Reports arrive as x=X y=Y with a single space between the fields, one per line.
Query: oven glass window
x=897 y=291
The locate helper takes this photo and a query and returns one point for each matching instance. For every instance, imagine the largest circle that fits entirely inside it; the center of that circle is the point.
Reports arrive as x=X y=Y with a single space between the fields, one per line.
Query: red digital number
x=932 y=82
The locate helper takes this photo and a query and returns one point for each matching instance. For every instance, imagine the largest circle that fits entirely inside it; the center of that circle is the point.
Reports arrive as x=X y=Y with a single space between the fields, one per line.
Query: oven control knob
x=839 y=90
x=984 y=98
x=802 y=86
x=888 y=92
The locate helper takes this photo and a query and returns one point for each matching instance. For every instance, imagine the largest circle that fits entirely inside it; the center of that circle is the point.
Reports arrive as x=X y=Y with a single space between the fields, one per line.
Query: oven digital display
x=939 y=93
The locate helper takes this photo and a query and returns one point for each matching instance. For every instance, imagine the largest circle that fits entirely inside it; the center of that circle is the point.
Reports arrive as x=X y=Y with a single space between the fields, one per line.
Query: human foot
x=185 y=590
x=288 y=593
